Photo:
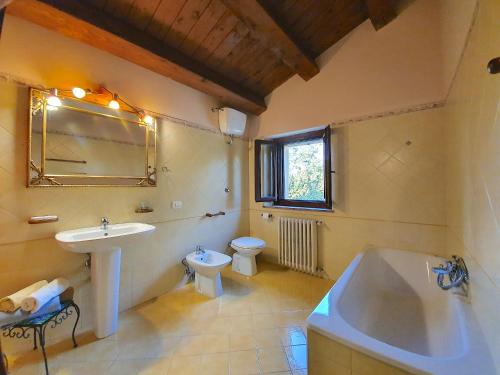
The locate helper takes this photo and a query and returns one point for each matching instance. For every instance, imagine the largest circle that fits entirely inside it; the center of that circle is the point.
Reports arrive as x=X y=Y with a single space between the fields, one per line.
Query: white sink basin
x=105 y=248
x=95 y=239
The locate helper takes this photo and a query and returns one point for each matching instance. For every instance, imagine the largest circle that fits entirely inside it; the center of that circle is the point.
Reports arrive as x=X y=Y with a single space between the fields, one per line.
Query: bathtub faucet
x=457 y=272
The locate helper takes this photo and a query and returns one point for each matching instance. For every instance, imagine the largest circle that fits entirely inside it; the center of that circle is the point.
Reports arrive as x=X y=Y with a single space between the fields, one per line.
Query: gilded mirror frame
x=37 y=175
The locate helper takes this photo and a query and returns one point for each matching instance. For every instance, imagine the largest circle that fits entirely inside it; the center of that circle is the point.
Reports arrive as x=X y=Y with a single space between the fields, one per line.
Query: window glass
x=303 y=171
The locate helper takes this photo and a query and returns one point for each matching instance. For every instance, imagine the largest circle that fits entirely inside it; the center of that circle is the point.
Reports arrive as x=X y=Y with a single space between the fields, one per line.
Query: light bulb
x=79 y=92
x=113 y=103
x=148 y=120
x=53 y=100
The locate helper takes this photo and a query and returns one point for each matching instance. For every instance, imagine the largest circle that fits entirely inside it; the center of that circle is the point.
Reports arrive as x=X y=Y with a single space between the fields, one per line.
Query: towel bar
x=208 y=214
x=43 y=219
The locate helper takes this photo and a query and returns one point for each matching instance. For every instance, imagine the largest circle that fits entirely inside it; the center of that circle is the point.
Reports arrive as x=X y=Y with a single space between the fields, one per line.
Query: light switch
x=176 y=204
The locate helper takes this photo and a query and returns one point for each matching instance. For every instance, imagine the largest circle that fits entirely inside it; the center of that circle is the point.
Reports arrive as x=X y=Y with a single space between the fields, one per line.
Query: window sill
x=299 y=208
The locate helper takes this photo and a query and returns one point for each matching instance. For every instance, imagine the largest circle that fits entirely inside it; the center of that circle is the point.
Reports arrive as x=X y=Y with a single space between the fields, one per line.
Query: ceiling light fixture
x=113 y=103
x=53 y=100
x=78 y=92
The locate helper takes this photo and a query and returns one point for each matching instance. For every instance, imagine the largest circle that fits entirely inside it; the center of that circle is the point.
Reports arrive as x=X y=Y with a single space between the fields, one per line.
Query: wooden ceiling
x=236 y=50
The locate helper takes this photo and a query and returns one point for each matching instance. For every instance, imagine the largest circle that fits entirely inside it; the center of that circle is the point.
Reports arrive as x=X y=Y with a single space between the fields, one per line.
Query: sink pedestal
x=105 y=246
x=105 y=274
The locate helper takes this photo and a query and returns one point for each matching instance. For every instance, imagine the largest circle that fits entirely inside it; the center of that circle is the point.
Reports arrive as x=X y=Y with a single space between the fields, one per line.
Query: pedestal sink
x=105 y=248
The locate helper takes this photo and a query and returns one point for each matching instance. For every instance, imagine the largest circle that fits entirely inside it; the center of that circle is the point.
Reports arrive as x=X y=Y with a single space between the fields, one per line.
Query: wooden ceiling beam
x=381 y=12
x=3 y=5
x=89 y=25
x=266 y=28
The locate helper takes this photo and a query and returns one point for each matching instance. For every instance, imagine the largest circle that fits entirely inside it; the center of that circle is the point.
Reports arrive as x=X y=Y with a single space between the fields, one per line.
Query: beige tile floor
x=256 y=327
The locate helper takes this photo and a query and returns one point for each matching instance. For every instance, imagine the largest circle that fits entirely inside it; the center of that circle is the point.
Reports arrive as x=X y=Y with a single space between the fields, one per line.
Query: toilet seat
x=246 y=250
x=248 y=243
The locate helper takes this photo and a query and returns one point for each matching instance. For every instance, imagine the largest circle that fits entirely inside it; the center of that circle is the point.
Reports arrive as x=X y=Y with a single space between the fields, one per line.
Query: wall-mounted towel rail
x=220 y=213
x=43 y=219
x=67 y=160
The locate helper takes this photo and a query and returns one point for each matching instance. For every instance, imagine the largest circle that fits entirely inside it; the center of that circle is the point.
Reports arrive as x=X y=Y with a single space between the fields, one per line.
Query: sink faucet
x=104 y=223
x=199 y=250
x=457 y=272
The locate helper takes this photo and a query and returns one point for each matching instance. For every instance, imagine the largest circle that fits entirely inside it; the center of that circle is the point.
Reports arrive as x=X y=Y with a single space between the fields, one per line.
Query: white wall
x=44 y=57
x=388 y=193
x=409 y=62
x=472 y=132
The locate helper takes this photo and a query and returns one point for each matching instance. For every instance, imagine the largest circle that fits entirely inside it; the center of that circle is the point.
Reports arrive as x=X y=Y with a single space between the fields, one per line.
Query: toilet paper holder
x=266 y=216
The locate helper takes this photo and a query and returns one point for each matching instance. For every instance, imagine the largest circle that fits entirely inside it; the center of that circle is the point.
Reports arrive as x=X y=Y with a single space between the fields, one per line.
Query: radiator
x=298 y=244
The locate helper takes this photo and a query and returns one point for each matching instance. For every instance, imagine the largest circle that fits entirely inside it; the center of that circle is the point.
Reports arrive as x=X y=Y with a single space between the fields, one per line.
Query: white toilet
x=246 y=250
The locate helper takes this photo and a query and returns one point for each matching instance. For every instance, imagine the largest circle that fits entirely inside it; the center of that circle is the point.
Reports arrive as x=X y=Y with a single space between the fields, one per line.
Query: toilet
x=246 y=250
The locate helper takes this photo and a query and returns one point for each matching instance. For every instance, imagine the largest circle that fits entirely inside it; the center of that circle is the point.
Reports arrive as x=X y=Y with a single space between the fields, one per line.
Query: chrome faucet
x=457 y=272
x=104 y=223
x=199 y=250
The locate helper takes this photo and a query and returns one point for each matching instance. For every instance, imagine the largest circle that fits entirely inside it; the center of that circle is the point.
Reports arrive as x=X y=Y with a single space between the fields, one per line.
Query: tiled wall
x=389 y=191
x=473 y=169
x=200 y=165
x=329 y=357
x=473 y=137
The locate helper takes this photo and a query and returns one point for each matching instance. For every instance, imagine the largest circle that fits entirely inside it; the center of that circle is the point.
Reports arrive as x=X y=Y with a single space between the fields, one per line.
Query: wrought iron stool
x=39 y=324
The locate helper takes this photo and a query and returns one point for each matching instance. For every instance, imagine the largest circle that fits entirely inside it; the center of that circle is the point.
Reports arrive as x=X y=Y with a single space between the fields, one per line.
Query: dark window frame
x=278 y=145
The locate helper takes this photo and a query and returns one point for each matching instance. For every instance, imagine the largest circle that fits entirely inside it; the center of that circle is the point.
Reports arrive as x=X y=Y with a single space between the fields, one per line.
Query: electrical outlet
x=176 y=204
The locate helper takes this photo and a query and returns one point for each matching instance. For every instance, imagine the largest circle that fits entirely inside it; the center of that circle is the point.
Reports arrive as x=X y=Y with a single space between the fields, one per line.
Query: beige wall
x=387 y=193
x=200 y=165
x=473 y=170
x=41 y=56
x=409 y=62
x=473 y=158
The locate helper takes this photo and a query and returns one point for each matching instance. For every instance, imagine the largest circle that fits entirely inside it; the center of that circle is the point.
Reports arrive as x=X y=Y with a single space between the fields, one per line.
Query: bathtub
x=387 y=305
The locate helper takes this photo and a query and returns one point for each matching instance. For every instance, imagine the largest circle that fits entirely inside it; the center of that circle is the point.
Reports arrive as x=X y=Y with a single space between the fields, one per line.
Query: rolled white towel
x=40 y=297
x=11 y=303
x=8 y=318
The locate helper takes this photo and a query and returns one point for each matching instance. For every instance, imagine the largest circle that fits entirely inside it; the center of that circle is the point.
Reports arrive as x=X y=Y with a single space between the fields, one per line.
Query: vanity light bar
x=54 y=101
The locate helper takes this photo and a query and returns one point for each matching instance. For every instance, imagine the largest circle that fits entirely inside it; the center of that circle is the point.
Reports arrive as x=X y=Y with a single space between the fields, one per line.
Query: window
x=294 y=170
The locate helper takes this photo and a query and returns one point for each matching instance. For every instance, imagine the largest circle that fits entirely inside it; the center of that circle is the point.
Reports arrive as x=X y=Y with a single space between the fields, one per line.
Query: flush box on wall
x=231 y=121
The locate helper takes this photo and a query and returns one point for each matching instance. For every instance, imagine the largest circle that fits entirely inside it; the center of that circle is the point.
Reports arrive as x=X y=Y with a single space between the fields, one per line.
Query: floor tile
x=215 y=364
x=272 y=360
x=297 y=356
x=293 y=336
x=244 y=363
x=256 y=327
x=243 y=340
x=159 y=366
x=268 y=338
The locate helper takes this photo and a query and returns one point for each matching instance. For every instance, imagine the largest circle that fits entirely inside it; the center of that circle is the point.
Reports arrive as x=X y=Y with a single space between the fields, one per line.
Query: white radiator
x=298 y=244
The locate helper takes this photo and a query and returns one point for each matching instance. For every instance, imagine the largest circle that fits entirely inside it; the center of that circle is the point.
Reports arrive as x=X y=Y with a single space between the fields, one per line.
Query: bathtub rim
x=476 y=357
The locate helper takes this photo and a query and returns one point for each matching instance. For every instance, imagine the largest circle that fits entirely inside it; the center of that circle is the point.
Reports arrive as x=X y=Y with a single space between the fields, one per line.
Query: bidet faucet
x=104 y=223
x=199 y=250
x=457 y=272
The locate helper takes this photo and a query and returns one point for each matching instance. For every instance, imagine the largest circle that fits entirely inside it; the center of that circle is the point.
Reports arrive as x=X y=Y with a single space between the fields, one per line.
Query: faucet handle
x=442 y=269
x=104 y=219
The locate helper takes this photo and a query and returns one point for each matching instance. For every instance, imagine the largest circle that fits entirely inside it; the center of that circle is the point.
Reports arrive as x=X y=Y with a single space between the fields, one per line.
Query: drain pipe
x=189 y=271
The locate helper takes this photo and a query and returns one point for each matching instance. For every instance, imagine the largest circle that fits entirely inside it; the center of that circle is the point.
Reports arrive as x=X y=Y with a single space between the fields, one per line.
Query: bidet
x=207 y=265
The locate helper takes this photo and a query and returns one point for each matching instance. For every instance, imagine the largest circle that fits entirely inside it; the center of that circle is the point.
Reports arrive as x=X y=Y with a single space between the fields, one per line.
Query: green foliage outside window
x=304 y=179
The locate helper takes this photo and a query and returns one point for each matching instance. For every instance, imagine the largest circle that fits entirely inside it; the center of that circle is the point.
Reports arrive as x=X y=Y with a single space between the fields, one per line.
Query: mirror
x=84 y=144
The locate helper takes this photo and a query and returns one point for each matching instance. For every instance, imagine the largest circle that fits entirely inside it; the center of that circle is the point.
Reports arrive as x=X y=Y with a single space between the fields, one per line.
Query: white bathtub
x=387 y=305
